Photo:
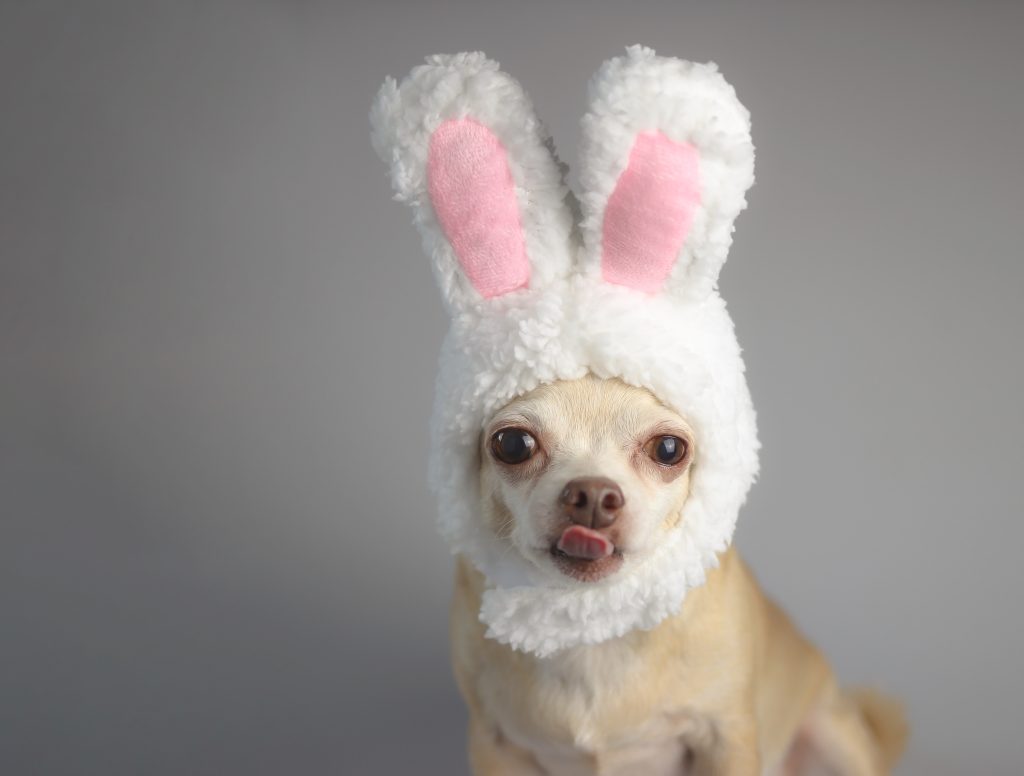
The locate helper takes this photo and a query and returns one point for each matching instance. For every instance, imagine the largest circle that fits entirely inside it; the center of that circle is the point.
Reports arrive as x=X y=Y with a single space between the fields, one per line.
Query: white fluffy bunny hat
x=541 y=288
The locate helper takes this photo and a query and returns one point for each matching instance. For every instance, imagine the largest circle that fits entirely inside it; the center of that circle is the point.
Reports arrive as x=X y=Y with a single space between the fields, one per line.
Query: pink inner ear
x=650 y=212
x=474 y=196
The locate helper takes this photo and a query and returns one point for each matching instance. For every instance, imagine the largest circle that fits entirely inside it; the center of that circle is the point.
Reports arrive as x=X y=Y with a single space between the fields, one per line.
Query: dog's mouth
x=585 y=554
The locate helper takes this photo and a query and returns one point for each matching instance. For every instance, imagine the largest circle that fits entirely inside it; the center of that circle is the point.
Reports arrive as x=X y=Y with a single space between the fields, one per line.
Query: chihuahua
x=594 y=436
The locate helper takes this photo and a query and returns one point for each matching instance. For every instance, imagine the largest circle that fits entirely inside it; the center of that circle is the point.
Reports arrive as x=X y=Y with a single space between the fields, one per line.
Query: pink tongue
x=580 y=542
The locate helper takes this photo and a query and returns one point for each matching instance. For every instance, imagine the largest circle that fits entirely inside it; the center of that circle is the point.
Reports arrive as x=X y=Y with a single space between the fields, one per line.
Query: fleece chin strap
x=546 y=620
x=627 y=291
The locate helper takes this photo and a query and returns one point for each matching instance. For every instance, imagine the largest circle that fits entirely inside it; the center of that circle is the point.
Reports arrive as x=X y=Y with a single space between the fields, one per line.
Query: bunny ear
x=666 y=159
x=489 y=196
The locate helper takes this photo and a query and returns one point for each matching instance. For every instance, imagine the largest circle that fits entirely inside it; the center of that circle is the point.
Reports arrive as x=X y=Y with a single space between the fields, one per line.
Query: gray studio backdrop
x=218 y=338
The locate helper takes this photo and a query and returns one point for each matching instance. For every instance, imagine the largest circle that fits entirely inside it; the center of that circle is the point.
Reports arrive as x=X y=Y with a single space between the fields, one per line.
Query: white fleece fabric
x=679 y=342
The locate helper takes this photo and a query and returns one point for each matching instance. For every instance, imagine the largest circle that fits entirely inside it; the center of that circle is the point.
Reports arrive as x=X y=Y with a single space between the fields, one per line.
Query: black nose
x=594 y=502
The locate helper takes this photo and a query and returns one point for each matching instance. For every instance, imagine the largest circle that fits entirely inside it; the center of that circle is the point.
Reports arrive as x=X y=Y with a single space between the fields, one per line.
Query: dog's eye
x=667 y=450
x=513 y=445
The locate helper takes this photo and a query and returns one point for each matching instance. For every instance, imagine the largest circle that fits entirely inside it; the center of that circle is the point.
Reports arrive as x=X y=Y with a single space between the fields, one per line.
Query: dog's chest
x=594 y=710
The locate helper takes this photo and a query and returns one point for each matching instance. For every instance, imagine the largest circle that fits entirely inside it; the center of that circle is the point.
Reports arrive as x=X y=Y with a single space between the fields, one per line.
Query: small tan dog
x=594 y=437
x=577 y=474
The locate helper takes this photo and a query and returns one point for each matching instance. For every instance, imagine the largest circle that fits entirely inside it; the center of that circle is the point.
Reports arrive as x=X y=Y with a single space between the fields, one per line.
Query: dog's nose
x=593 y=502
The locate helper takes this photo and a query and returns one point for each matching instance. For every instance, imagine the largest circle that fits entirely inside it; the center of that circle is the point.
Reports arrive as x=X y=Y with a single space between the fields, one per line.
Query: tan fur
x=727 y=686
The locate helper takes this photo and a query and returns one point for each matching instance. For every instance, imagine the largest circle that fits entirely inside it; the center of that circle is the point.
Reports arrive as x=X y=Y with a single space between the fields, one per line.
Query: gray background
x=218 y=338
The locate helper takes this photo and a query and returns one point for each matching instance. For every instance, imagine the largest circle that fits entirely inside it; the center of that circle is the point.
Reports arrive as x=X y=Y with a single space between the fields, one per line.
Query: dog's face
x=583 y=477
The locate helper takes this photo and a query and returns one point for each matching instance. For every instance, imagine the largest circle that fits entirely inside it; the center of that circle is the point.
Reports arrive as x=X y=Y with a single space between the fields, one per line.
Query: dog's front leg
x=737 y=751
x=491 y=754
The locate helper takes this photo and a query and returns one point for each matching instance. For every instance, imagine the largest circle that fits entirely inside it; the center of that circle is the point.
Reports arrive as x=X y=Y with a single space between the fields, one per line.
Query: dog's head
x=584 y=476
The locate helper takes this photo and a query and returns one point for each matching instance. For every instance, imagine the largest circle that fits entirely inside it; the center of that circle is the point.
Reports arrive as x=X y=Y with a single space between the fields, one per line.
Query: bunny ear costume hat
x=541 y=288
